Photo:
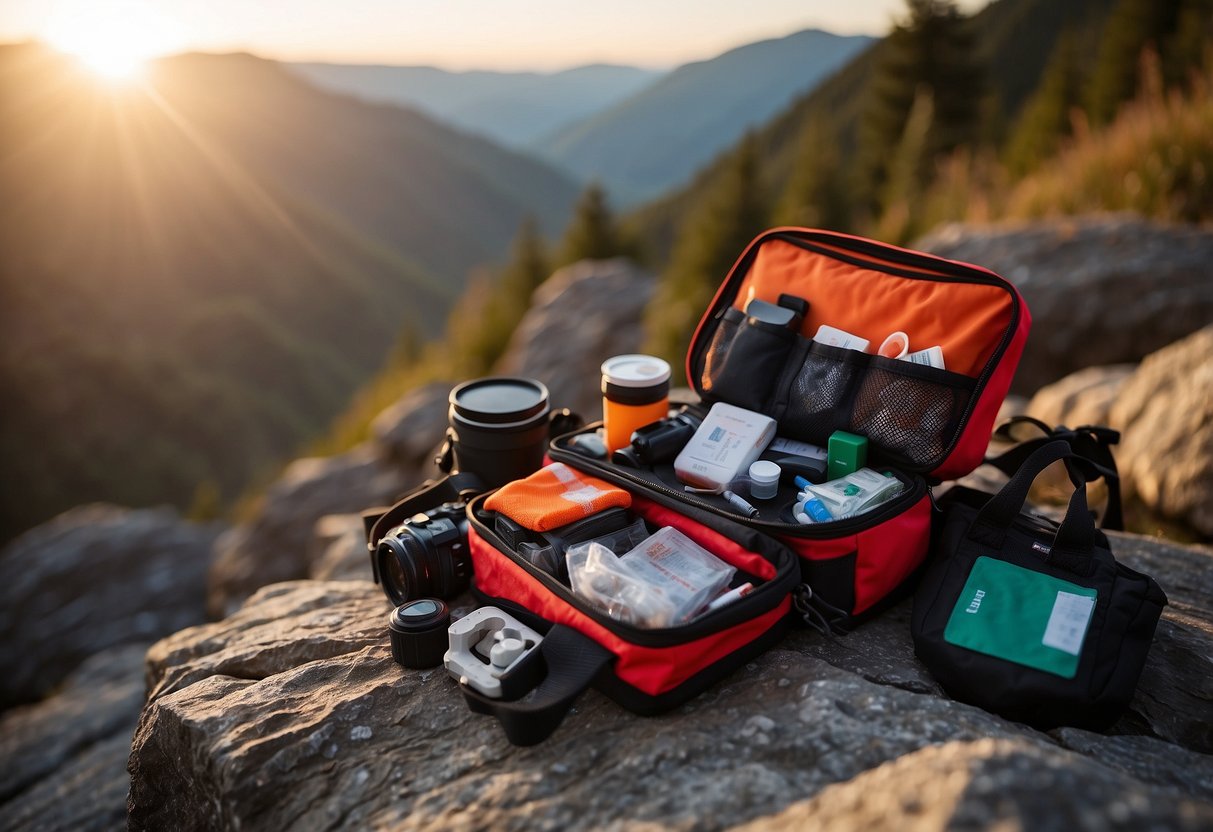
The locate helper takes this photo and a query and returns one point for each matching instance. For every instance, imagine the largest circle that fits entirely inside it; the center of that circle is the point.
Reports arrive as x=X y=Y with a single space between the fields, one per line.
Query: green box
x=847 y=452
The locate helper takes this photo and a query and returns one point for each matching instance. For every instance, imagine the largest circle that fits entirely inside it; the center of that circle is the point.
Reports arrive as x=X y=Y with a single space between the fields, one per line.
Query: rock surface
x=584 y=314
x=291 y=712
x=274 y=545
x=1162 y=409
x=63 y=761
x=95 y=577
x=1101 y=290
x=409 y=432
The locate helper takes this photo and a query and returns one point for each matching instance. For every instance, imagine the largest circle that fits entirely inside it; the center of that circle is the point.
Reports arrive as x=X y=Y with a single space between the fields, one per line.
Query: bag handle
x=573 y=662
x=1092 y=445
x=1074 y=544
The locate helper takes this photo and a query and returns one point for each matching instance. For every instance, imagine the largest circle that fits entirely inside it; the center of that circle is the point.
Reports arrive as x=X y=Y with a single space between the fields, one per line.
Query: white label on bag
x=1068 y=622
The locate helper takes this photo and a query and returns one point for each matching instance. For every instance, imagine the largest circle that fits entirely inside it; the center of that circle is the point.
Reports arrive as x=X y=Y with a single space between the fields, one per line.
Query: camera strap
x=452 y=488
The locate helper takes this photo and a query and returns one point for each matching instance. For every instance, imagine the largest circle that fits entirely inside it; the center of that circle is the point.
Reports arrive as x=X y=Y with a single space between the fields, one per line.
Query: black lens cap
x=418 y=632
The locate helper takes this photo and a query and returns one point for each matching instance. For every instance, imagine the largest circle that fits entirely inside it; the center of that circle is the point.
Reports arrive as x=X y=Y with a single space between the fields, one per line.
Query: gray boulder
x=92 y=578
x=339 y=549
x=63 y=760
x=1101 y=290
x=409 y=432
x=273 y=546
x=584 y=314
x=291 y=712
x=991 y=784
x=1161 y=408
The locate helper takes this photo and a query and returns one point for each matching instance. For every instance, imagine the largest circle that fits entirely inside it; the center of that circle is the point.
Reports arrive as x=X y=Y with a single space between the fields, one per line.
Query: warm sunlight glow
x=113 y=38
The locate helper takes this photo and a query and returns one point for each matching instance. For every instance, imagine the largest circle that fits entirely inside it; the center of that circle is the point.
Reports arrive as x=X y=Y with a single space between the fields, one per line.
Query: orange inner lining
x=963 y=319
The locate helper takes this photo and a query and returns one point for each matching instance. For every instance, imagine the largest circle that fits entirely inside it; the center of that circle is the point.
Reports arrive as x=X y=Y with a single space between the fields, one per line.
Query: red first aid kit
x=913 y=352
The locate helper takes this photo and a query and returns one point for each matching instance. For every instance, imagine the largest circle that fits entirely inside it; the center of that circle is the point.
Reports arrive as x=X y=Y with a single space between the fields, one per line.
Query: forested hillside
x=937 y=121
x=195 y=273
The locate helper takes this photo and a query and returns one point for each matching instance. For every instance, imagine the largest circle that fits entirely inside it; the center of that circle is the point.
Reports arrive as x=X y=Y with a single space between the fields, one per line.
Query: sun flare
x=112 y=38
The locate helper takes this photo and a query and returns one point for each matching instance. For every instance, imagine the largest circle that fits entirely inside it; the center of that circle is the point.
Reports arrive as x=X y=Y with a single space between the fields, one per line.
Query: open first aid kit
x=831 y=363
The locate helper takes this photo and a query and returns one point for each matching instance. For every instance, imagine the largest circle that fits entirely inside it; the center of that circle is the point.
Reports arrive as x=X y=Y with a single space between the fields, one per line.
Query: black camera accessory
x=425 y=556
x=498 y=428
x=658 y=442
x=417 y=630
x=494 y=653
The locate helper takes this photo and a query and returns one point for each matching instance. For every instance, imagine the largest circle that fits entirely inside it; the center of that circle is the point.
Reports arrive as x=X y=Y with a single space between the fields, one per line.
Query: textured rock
x=583 y=314
x=63 y=761
x=1162 y=409
x=1102 y=290
x=410 y=431
x=1082 y=398
x=95 y=577
x=990 y=784
x=273 y=546
x=1165 y=413
x=339 y=549
x=292 y=713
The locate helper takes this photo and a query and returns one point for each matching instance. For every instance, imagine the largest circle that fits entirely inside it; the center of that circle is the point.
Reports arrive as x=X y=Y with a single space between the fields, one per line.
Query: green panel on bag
x=1022 y=616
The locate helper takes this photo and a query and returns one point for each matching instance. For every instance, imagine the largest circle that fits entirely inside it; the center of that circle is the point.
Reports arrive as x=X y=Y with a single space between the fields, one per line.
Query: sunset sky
x=455 y=34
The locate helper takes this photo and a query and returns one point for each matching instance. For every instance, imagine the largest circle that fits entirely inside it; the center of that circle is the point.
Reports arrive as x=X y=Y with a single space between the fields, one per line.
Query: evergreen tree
x=489 y=311
x=731 y=215
x=592 y=235
x=1048 y=116
x=932 y=49
x=1176 y=30
x=816 y=194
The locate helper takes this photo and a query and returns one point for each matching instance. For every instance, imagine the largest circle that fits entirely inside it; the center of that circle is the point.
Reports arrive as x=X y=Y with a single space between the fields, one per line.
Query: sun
x=114 y=39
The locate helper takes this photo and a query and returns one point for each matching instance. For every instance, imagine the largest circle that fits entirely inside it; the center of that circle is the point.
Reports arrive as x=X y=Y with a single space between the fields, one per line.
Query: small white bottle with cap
x=764 y=479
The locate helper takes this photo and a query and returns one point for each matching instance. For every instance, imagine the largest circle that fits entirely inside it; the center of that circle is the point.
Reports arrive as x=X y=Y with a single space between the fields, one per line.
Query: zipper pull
x=934 y=504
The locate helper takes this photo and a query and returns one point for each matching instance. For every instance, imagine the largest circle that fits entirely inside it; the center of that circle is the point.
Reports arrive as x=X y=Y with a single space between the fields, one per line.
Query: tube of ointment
x=729 y=597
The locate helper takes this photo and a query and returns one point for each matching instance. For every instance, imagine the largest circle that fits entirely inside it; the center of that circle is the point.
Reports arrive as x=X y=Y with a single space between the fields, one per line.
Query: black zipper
x=818 y=531
x=742 y=610
x=959 y=274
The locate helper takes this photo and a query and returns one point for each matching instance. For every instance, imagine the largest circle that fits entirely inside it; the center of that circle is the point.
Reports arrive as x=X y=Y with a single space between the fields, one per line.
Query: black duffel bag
x=1030 y=619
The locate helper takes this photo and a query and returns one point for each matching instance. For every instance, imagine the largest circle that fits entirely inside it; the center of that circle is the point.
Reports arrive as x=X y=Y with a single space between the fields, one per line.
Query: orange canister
x=635 y=393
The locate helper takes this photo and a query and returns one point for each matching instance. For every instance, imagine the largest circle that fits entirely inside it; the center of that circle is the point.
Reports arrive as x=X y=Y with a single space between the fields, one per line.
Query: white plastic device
x=485 y=645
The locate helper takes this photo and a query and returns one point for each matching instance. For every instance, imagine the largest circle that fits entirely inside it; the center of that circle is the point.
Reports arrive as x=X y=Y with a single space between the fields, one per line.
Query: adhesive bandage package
x=727 y=443
x=663 y=582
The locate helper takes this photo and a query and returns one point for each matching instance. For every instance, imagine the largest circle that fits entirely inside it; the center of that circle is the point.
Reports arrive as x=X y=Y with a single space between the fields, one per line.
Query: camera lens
x=425 y=557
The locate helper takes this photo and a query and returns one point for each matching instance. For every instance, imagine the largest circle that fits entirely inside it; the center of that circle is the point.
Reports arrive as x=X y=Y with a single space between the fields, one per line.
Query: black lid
x=499 y=400
x=419 y=615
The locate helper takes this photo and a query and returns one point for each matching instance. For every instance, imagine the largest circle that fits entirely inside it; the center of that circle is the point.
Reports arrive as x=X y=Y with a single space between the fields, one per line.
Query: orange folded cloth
x=555 y=496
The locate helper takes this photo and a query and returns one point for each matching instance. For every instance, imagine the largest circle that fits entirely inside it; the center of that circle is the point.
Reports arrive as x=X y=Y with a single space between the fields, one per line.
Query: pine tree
x=1176 y=30
x=489 y=311
x=932 y=49
x=732 y=214
x=1048 y=116
x=816 y=194
x=592 y=234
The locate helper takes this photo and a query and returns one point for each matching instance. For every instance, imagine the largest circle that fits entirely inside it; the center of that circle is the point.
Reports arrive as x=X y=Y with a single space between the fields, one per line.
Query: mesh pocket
x=718 y=351
x=907 y=416
x=817 y=400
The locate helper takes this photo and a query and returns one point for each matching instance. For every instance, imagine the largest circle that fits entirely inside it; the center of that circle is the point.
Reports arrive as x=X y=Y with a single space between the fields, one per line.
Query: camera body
x=426 y=556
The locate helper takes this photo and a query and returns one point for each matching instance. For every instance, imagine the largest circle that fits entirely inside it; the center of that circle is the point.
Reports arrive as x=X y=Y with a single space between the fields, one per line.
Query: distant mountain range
x=657 y=138
x=195 y=275
x=514 y=108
